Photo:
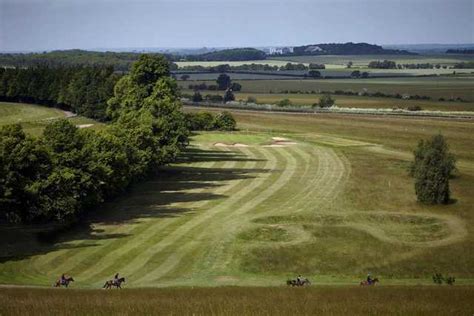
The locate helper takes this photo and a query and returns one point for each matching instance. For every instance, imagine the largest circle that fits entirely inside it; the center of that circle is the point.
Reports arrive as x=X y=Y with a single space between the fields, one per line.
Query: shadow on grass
x=155 y=198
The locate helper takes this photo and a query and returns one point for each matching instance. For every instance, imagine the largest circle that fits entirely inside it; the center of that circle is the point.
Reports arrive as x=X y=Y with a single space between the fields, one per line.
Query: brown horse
x=371 y=283
x=116 y=283
x=298 y=283
x=64 y=282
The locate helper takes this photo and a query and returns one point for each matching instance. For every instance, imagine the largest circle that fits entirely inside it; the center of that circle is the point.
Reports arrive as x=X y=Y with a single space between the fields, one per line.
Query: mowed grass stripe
x=225 y=233
x=139 y=252
x=68 y=254
x=175 y=242
x=75 y=260
x=239 y=219
x=148 y=236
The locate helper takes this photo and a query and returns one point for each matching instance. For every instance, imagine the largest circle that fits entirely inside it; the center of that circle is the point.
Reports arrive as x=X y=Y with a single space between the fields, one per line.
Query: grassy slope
x=242 y=301
x=334 y=206
x=34 y=118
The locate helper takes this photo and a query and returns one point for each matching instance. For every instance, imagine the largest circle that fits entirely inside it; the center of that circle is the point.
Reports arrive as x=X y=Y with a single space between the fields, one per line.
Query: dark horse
x=116 y=283
x=298 y=283
x=365 y=282
x=64 y=282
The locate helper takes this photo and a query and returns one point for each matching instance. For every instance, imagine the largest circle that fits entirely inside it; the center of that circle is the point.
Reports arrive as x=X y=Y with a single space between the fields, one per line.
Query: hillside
x=234 y=54
x=347 y=49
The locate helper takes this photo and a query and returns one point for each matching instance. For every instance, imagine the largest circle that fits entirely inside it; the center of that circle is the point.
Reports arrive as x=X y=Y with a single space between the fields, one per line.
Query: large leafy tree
x=146 y=102
x=432 y=168
x=24 y=162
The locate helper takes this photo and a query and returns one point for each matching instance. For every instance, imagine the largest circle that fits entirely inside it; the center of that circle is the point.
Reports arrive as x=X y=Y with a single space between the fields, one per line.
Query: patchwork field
x=361 y=61
x=326 y=196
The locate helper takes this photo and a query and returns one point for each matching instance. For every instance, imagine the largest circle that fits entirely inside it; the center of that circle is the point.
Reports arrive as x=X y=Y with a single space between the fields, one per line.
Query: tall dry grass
x=429 y=300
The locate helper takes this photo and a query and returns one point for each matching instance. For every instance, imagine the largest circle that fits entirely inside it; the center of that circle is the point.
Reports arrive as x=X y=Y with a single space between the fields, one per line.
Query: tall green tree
x=432 y=167
x=223 y=82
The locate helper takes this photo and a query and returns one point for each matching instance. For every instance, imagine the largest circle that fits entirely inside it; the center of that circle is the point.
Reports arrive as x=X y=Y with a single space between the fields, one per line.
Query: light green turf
x=34 y=118
x=242 y=216
x=333 y=201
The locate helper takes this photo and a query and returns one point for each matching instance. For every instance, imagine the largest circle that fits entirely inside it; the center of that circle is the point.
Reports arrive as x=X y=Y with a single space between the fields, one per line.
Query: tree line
x=57 y=177
x=81 y=89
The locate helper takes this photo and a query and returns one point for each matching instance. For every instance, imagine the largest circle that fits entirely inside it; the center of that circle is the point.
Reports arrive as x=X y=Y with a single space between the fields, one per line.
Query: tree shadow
x=158 y=197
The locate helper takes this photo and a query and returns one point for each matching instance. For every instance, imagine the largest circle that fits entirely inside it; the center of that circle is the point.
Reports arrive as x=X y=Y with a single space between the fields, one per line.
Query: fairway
x=255 y=207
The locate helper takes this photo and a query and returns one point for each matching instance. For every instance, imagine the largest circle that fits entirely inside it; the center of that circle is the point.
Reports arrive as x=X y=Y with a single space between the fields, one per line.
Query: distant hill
x=234 y=54
x=347 y=49
x=461 y=51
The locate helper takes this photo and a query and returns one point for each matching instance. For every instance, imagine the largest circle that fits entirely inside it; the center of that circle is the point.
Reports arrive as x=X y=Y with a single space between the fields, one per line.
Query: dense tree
x=356 y=74
x=314 y=74
x=235 y=86
x=68 y=170
x=225 y=121
x=84 y=90
x=325 y=101
x=205 y=121
x=24 y=162
x=197 y=97
x=432 y=168
x=223 y=82
x=386 y=64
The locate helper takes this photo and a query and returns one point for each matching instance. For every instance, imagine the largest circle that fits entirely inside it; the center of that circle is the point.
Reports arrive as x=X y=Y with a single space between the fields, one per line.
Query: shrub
x=284 y=103
x=197 y=97
x=225 y=122
x=325 y=101
x=414 y=108
x=251 y=99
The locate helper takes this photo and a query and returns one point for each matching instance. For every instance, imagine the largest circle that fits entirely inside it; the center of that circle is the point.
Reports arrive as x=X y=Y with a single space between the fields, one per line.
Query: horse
x=364 y=283
x=116 y=283
x=64 y=282
x=298 y=283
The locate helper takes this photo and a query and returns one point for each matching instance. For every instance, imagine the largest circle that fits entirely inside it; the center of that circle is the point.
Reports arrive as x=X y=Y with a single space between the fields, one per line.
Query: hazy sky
x=61 y=24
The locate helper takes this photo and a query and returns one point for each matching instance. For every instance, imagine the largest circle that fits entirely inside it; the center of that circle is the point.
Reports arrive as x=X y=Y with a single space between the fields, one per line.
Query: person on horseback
x=299 y=279
x=63 y=279
x=116 y=279
x=369 y=279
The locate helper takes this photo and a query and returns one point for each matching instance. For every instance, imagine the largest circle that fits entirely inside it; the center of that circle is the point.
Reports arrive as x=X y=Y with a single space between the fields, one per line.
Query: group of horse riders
x=116 y=281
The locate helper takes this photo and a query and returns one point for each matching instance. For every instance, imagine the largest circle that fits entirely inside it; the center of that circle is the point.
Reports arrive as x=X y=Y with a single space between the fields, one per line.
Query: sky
x=37 y=25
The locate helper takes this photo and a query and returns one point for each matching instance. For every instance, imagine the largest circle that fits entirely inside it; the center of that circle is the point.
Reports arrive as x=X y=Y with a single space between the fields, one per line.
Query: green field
x=34 y=118
x=269 y=91
x=361 y=61
x=333 y=203
x=445 y=87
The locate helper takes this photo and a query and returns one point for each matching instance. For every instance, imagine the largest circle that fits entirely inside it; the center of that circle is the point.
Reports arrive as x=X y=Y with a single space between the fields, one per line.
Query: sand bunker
x=279 y=139
x=280 y=142
x=230 y=145
x=274 y=145
x=84 y=125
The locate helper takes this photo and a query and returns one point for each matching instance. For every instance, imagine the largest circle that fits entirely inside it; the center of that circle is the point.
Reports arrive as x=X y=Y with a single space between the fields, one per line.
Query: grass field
x=269 y=91
x=361 y=61
x=333 y=203
x=34 y=118
x=433 y=87
x=241 y=301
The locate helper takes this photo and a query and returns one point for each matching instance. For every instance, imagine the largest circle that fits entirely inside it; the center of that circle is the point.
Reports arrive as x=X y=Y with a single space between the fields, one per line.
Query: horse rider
x=299 y=279
x=63 y=279
x=116 y=279
x=369 y=279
